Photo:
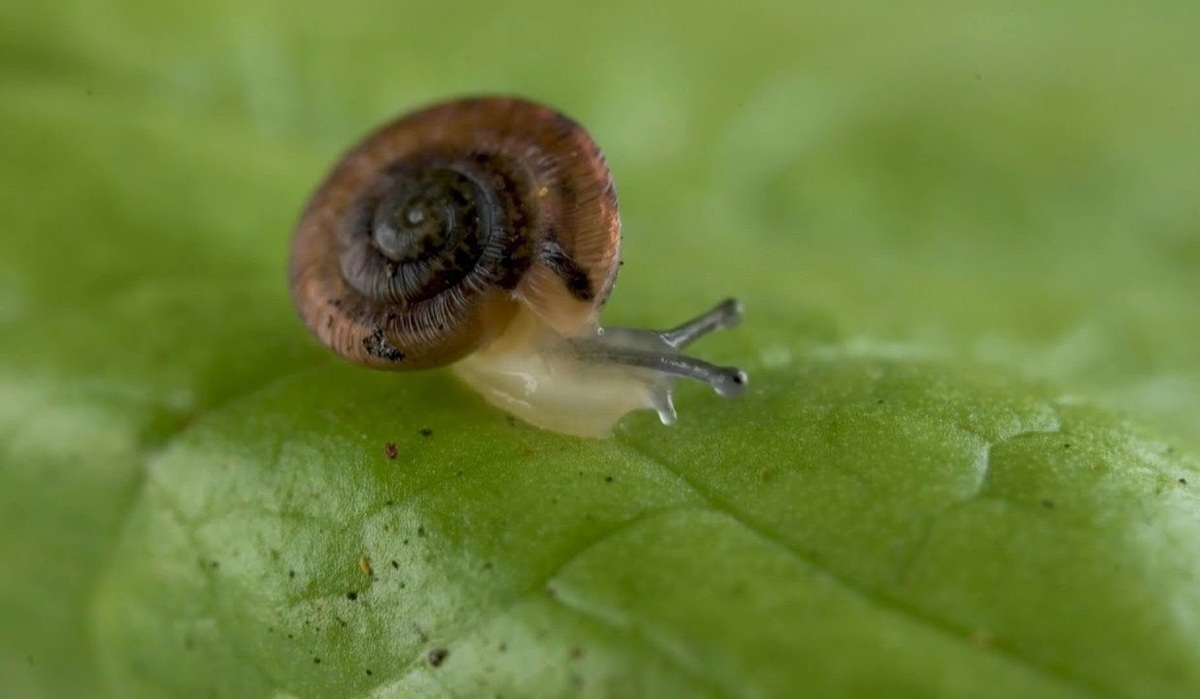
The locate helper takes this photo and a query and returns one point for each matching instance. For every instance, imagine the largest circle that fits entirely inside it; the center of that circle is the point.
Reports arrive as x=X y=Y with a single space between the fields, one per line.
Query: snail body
x=483 y=233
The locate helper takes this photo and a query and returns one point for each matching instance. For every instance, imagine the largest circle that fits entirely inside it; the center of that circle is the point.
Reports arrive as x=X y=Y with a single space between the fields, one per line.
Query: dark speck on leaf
x=1048 y=503
x=608 y=479
x=1182 y=481
x=426 y=432
x=316 y=661
x=396 y=565
x=421 y=530
x=879 y=402
x=390 y=450
x=502 y=647
x=576 y=653
x=1067 y=445
x=352 y=595
x=290 y=636
x=437 y=656
x=291 y=573
x=389 y=503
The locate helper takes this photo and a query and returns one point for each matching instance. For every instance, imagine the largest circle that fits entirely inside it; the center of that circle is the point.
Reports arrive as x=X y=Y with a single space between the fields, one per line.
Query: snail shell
x=483 y=229
x=426 y=239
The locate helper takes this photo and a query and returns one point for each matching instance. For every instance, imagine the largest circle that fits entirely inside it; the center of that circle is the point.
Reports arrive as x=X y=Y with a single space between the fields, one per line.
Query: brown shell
x=558 y=254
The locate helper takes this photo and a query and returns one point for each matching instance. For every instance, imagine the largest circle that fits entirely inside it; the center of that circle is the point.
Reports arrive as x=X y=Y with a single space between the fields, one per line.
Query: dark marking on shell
x=567 y=269
x=377 y=345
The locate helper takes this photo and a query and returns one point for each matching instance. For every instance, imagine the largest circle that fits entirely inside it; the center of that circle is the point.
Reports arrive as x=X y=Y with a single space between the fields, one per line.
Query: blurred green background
x=1012 y=185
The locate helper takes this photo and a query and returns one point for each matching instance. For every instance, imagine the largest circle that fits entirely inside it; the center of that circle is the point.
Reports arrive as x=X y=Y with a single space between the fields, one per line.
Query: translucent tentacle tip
x=658 y=353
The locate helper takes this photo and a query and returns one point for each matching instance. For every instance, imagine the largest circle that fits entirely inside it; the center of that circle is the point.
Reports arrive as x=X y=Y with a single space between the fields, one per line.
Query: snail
x=483 y=233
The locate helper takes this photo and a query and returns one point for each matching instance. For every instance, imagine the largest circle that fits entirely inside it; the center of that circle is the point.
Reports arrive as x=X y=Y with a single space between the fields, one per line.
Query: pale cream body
x=540 y=377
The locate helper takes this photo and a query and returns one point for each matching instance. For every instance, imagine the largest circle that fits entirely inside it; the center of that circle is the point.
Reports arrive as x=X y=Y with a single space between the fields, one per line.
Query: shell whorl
x=428 y=238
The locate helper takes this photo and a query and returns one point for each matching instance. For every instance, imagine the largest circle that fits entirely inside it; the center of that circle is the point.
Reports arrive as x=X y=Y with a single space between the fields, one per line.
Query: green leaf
x=967 y=241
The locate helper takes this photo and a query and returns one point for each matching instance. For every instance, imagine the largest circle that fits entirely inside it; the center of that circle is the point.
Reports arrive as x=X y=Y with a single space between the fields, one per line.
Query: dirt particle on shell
x=608 y=479
x=352 y=595
x=369 y=673
x=1067 y=445
x=1048 y=503
x=437 y=656
x=316 y=661
x=395 y=565
x=390 y=450
x=1182 y=481
x=426 y=432
x=291 y=573
x=421 y=530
